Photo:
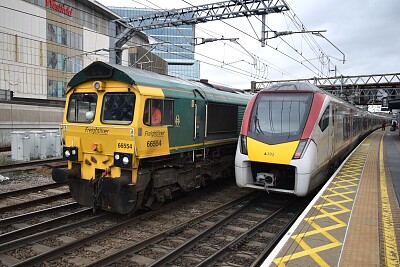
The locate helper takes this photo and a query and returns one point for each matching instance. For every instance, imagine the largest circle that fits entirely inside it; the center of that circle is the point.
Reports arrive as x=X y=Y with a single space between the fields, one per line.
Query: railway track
x=176 y=229
x=24 y=191
x=68 y=239
x=224 y=236
x=25 y=199
x=52 y=162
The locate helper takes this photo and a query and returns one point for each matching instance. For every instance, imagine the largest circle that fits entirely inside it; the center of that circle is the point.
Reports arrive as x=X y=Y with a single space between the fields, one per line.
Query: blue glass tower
x=178 y=49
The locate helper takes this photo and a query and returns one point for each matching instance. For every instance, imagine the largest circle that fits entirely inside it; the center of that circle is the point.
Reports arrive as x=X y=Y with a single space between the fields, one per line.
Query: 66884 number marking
x=153 y=143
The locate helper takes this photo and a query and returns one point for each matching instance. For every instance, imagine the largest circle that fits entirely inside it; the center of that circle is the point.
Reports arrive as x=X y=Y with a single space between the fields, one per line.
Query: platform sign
x=385 y=106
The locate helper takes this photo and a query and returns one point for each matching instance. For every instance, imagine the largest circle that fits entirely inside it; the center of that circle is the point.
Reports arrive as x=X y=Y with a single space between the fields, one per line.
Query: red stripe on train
x=246 y=116
x=315 y=110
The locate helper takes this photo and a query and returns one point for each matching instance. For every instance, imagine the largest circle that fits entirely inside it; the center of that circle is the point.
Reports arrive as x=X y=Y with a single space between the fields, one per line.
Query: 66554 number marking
x=125 y=145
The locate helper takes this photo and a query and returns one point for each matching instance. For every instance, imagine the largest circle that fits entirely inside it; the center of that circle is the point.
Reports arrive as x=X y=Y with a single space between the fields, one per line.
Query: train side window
x=162 y=112
x=217 y=119
x=324 y=121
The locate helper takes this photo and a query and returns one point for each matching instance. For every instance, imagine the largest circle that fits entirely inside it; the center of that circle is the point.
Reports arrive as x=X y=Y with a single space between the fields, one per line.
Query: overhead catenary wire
x=255 y=38
x=260 y=69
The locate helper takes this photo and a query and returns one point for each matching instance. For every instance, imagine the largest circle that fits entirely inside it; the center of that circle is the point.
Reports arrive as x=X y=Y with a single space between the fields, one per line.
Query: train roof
x=101 y=71
x=308 y=87
x=293 y=86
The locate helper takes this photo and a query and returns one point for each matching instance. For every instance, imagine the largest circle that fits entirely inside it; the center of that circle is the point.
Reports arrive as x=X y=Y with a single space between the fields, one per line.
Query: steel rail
x=29 y=215
x=42 y=226
x=30 y=163
x=39 y=236
x=29 y=190
x=227 y=248
x=35 y=202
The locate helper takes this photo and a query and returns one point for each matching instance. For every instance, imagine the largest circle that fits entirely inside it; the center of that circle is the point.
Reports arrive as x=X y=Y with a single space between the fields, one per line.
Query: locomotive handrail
x=134 y=142
x=206 y=122
x=195 y=122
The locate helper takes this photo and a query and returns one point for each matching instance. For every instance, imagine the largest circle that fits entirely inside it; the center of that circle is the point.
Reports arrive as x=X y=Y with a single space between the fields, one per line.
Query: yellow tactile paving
x=319 y=240
x=390 y=245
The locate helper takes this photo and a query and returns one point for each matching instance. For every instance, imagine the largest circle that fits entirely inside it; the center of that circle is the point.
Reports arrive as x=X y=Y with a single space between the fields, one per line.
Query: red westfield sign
x=60 y=7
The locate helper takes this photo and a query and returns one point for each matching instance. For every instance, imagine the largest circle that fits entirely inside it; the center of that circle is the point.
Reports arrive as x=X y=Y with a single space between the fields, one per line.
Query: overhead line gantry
x=190 y=16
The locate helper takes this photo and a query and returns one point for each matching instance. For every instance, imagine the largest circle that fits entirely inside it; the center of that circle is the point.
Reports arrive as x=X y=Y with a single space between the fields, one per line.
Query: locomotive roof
x=101 y=71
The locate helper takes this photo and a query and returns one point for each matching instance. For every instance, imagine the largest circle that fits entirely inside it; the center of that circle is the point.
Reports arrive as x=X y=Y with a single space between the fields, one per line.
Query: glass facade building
x=178 y=47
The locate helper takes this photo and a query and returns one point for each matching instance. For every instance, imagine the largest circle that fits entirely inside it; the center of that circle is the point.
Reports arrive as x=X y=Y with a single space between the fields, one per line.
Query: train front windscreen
x=279 y=117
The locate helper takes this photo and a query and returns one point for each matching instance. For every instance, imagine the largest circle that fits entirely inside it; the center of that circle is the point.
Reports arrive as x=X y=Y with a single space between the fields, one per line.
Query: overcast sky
x=367 y=32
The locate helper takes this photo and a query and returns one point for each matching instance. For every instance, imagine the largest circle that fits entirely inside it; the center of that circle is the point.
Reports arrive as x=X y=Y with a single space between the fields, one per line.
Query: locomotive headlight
x=70 y=153
x=125 y=160
x=243 y=144
x=99 y=86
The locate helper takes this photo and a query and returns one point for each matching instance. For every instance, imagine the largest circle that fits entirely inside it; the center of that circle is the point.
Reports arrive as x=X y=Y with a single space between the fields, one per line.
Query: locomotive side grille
x=284 y=175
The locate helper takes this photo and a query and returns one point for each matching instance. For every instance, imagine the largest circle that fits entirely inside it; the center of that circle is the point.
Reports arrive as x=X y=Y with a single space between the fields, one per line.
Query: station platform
x=355 y=219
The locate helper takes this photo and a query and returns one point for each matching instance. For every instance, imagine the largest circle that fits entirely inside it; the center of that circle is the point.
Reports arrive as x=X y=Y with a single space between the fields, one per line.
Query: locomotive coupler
x=96 y=183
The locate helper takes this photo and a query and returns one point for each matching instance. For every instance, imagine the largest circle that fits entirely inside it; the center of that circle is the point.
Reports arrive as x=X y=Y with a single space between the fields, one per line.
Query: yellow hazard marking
x=389 y=235
x=331 y=213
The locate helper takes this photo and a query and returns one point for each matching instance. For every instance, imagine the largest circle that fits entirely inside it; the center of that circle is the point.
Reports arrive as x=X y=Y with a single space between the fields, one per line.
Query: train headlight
x=301 y=148
x=99 y=86
x=70 y=153
x=123 y=160
x=243 y=144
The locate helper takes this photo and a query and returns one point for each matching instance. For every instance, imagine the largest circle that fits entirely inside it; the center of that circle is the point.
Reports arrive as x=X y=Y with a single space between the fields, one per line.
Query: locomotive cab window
x=118 y=108
x=324 y=121
x=158 y=112
x=82 y=107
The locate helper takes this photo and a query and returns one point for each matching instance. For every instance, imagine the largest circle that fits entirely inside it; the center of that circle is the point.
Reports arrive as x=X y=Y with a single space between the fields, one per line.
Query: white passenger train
x=293 y=134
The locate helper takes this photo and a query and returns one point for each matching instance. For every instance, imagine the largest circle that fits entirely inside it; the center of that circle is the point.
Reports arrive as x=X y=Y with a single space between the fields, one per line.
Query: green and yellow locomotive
x=134 y=138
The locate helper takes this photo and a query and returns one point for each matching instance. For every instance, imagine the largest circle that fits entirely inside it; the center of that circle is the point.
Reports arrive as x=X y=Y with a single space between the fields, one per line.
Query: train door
x=324 y=142
x=199 y=118
x=331 y=130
